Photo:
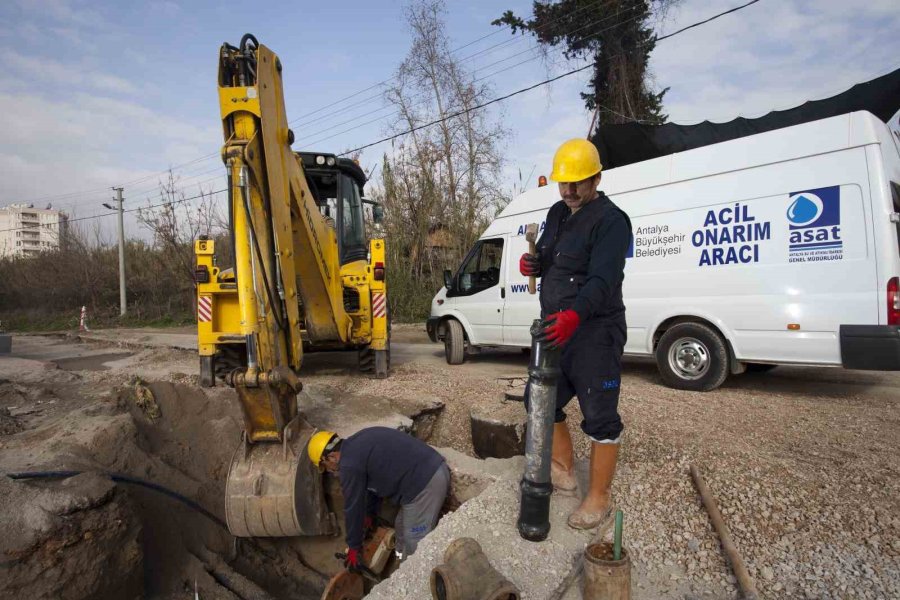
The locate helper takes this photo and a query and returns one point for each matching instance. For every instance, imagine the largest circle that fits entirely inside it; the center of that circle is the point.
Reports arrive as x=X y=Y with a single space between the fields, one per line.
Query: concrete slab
x=345 y=413
x=490 y=518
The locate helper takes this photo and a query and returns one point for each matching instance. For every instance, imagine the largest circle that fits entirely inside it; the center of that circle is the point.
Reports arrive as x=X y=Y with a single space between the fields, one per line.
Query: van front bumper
x=431 y=326
x=870 y=347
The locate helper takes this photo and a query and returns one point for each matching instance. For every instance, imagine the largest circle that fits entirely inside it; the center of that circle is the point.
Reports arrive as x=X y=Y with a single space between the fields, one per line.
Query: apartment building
x=26 y=231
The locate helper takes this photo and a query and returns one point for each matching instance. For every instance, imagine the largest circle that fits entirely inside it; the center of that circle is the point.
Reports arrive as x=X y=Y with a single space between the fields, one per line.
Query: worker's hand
x=530 y=265
x=351 y=563
x=557 y=328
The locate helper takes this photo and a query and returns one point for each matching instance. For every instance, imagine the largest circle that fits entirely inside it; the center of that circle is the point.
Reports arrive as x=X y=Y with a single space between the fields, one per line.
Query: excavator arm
x=286 y=256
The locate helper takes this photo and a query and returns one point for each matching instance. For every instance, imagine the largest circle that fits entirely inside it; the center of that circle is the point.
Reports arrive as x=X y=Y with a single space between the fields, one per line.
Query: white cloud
x=63 y=11
x=772 y=55
x=54 y=72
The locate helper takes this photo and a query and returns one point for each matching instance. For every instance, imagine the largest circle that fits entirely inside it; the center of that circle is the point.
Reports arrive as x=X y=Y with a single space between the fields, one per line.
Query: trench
x=173 y=435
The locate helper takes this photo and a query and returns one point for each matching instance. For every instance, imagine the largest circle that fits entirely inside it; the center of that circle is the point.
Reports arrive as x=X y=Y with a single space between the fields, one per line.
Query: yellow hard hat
x=317 y=444
x=576 y=160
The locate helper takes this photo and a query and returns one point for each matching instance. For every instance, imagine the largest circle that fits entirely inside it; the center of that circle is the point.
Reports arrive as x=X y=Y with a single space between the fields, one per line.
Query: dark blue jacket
x=583 y=261
x=387 y=464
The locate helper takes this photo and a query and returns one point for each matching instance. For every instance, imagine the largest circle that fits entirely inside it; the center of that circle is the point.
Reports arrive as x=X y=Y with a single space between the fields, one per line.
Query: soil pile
x=88 y=537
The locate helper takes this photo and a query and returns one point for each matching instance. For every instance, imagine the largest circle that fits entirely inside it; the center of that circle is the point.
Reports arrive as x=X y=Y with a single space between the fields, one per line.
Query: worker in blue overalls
x=581 y=260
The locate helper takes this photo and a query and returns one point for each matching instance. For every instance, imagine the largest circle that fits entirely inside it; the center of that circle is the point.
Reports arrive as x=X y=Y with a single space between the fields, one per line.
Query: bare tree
x=175 y=221
x=441 y=183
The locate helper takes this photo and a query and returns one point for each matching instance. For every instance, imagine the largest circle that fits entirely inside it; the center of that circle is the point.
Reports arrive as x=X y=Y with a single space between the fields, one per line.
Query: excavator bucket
x=273 y=490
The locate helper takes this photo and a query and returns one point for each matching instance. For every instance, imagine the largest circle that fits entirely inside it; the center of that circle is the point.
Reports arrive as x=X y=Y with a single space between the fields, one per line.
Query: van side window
x=482 y=269
x=895 y=192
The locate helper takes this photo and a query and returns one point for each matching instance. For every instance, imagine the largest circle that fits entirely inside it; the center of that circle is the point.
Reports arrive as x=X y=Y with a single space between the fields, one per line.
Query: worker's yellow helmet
x=317 y=444
x=575 y=160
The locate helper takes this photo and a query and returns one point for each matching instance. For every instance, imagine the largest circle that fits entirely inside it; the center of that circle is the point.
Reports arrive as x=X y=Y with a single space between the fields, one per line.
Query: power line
x=181 y=182
x=82 y=193
x=139 y=208
x=497 y=72
x=453 y=51
x=536 y=85
x=123 y=184
x=705 y=21
x=487 y=50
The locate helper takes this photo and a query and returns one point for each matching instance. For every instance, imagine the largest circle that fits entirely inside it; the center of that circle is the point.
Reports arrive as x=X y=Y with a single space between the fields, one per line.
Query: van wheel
x=691 y=356
x=454 y=343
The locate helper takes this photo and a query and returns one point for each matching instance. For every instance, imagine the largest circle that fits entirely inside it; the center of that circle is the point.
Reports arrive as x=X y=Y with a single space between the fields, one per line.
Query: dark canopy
x=621 y=145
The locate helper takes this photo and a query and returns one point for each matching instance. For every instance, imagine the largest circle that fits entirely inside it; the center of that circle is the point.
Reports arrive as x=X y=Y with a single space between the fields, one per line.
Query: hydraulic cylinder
x=536 y=487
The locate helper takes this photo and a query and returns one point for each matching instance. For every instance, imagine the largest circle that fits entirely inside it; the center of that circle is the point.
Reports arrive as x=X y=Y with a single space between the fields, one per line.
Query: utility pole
x=119 y=200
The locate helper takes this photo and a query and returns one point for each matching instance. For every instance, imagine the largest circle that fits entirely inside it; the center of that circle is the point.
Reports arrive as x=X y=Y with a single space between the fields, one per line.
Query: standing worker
x=581 y=261
x=376 y=463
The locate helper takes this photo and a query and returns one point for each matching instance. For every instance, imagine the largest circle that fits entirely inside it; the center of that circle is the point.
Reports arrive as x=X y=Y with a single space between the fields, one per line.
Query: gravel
x=803 y=463
x=490 y=518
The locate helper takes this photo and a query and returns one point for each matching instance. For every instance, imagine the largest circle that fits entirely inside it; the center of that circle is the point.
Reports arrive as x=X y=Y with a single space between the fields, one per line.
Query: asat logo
x=804 y=209
x=814 y=218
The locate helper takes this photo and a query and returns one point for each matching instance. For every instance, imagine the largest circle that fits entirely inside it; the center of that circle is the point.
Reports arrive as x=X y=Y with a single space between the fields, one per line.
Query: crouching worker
x=377 y=463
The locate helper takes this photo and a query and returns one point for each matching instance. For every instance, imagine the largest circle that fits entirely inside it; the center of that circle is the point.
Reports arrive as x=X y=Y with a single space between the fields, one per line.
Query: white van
x=777 y=248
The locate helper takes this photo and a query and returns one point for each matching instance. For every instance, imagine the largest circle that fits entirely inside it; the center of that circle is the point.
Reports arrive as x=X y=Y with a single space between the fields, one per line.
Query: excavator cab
x=337 y=185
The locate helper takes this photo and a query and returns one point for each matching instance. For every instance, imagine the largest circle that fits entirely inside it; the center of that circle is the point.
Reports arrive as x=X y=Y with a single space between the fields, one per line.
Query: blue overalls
x=582 y=268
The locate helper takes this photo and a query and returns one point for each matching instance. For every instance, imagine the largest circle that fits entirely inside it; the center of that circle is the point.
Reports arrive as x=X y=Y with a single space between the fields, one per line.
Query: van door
x=521 y=308
x=478 y=291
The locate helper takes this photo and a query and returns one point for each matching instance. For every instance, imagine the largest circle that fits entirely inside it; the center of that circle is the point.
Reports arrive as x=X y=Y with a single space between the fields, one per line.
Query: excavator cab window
x=324 y=189
x=353 y=231
x=338 y=198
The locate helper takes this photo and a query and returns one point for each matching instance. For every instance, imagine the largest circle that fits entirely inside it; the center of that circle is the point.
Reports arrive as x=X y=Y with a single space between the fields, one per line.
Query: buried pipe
x=536 y=487
x=120 y=478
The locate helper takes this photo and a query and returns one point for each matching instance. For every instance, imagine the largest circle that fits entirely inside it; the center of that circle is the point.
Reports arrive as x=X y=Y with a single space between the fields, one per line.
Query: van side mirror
x=448 y=279
x=377 y=213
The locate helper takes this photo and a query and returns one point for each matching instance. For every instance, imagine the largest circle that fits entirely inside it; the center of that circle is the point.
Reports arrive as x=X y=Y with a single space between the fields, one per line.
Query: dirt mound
x=86 y=537
x=78 y=538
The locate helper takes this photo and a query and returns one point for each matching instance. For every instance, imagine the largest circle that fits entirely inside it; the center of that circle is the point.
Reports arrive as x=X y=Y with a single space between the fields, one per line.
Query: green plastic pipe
x=617 y=539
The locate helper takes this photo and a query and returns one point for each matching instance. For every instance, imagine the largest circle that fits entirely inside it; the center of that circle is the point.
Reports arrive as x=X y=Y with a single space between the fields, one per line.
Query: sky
x=102 y=94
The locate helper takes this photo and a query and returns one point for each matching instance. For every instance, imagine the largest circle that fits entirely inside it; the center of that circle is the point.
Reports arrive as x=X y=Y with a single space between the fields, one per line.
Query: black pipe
x=536 y=487
x=119 y=478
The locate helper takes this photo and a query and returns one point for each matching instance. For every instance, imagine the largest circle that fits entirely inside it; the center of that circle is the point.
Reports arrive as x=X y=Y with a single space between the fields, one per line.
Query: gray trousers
x=416 y=519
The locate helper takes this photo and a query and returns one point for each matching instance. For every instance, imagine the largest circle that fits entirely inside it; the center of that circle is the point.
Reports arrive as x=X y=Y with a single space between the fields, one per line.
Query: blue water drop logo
x=804 y=210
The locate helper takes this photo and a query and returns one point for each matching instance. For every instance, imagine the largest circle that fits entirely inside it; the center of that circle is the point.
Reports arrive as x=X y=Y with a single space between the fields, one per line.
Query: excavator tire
x=375 y=362
x=228 y=358
x=366 y=360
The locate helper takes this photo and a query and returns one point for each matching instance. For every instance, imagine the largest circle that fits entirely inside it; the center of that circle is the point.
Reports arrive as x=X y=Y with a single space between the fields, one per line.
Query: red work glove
x=558 y=328
x=529 y=265
x=351 y=563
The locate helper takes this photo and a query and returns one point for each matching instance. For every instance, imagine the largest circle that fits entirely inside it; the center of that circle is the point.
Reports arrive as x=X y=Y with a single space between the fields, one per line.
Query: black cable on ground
x=119 y=478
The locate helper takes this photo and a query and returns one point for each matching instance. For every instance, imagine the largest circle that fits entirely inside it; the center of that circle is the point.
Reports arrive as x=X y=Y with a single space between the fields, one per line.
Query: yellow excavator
x=304 y=278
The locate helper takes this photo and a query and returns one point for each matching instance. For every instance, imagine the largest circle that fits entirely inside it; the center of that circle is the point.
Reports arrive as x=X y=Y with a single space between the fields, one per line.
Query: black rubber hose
x=248 y=37
x=262 y=267
x=119 y=478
